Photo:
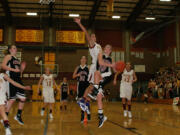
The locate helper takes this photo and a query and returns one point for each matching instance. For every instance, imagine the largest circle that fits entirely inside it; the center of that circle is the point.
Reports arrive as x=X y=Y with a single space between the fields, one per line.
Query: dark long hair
x=6 y=52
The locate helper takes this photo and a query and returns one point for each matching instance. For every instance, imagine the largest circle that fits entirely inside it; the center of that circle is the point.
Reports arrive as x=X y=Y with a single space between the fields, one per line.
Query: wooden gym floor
x=148 y=119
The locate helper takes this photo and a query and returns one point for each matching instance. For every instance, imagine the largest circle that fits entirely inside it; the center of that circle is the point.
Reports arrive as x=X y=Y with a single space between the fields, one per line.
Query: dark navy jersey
x=83 y=71
x=104 y=69
x=14 y=63
x=64 y=88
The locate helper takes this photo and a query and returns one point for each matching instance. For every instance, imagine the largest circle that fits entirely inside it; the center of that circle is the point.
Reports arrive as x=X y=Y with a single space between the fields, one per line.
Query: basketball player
x=48 y=82
x=3 y=90
x=64 y=89
x=96 y=54
x=81 y=73
x=102 y=77
x=13 y=68
x=94 y=50
x=128 y=78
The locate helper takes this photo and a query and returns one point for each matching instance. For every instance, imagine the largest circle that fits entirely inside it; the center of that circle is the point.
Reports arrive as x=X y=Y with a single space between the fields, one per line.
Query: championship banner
x=1 y=35
x=110 y=7
x=76 y=37
x=29 y=36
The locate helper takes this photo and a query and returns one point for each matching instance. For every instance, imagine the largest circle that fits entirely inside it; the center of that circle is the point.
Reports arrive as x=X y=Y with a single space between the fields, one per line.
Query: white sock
x=100 y=111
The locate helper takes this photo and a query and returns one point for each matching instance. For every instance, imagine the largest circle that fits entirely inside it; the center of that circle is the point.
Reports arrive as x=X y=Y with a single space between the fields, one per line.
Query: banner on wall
x=117 y=55
x=29 y=36
x=1 y=35
x=139 y=68
x=138 y=52
x=76 y=37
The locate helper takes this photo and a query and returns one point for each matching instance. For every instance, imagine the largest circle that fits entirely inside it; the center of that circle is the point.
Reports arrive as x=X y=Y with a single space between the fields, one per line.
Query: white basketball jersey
x=48 y=81
x=94 y=52
x=2 y=84
x=127 y=77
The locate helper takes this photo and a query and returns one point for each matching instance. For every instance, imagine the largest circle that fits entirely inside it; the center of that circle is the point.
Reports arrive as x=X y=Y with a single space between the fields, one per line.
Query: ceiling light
x=73 y=15
x=165 y=0
x=150 y=18
x=116 y=17
x=31 y=13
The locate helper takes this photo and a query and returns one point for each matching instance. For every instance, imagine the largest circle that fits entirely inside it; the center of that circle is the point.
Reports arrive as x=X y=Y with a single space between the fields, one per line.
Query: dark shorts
x=15 y=92
x=81 y=87
x=105 y=81
x=64 y=96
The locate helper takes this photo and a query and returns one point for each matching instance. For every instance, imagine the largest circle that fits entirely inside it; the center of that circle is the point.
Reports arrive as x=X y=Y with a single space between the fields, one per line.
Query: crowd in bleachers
x=165 y=84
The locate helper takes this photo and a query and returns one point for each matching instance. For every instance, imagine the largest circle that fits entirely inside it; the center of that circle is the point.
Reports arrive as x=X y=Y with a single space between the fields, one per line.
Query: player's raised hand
x=77 y=20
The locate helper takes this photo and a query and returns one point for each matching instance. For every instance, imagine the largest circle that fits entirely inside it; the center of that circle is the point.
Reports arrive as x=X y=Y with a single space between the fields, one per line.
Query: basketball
x=23 y=66
x=119 y=66
x=38 y=60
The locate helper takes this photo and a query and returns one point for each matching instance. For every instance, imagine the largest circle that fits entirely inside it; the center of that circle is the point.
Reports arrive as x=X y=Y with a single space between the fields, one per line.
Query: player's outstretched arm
x=39 y=83
x=4 y=64
x=115 y=78
x=75 y=75
x=6 y=77
x=78 y=21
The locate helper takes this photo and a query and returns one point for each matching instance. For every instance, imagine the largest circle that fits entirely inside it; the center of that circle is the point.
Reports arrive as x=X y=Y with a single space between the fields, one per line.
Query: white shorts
x=3 y=97
x=126 y=91
x=92 y=70
x=48 y=95
x=7 y=91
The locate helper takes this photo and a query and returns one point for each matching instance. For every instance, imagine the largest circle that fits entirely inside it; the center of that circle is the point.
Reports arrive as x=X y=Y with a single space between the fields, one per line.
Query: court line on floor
x=46 y=125
x=160 y=123
x=129 y=129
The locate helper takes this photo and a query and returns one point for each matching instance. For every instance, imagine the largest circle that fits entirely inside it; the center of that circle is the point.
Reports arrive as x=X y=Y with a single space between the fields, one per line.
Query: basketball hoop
x=47 y=2
x=134 y=39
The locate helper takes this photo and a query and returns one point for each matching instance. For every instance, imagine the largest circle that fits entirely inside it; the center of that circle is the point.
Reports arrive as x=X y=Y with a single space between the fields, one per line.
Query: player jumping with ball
x=99 y=73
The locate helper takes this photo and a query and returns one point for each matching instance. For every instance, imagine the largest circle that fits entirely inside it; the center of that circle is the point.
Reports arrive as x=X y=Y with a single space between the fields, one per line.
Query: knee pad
x=100 y=91
x=95 y=92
